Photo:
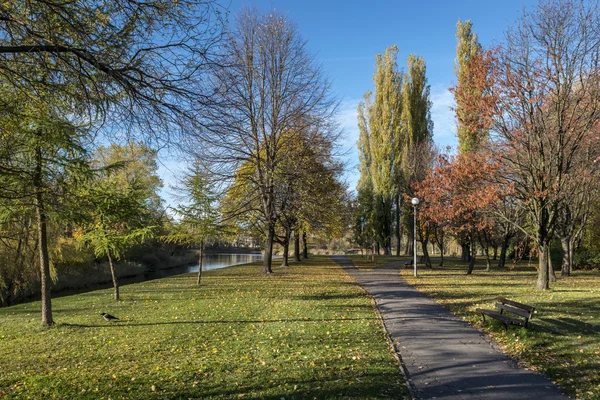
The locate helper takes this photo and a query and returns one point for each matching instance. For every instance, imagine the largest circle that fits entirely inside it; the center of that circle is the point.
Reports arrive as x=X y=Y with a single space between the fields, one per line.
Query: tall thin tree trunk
x=286 y=248
x=543 y=245
x=571 y=254
x=495 y=251
x=441 y=245
x=472 y=256
x=114 y=278
x=268 y=250
x=426 y=258
x=566 y=256
x=551 y=274
x=200 y=256
x=503 y=249
x=398 y=231
x=296 y=246
x=304 y=245
x=486 y=250
x=42 y=221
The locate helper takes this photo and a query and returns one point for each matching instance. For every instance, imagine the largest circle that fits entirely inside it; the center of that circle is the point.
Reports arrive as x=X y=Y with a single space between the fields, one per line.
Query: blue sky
x=345 y=36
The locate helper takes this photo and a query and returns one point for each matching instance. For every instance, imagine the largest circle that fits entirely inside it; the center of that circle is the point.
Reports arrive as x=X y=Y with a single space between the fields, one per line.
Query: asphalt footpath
x=443 y=357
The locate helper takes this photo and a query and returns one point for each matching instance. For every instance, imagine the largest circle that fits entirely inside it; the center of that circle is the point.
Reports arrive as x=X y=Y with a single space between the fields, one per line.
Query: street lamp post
x=415 y=202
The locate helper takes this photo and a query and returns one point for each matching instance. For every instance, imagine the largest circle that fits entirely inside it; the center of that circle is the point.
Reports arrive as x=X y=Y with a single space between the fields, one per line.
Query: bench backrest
x=514 y=307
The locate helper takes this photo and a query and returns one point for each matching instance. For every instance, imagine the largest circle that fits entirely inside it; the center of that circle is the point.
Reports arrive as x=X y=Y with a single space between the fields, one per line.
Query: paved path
x=444 y=357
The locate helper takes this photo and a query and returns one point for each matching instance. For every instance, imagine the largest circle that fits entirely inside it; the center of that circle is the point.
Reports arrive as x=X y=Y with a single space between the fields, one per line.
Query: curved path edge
x=443 y=356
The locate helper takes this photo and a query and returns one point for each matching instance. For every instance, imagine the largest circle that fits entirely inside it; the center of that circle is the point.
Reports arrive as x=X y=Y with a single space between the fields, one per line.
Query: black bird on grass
x=107 y=317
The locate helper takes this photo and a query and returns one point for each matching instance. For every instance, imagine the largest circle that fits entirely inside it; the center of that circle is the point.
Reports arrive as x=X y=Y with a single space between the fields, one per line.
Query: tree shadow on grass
x=324 y=385
x=327 y=296
x=127 y=323
x=567 y=326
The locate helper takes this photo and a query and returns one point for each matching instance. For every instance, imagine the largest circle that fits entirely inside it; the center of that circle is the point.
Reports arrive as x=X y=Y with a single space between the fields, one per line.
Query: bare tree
x=272 y=88
x=575 y=210
x=548 y=102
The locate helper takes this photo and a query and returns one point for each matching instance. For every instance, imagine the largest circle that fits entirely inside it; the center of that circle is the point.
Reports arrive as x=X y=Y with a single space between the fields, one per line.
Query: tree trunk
x=286 y=249
x=543 y=277
x=426 y=258
x=304 y=245
x=398 y=233
x=487 y=259
x=296 y=246
x=200 y=256
x=41 y=220
x=551 y=274
x=471 y=256
x=441 y=244
x=387 y=248
x=466 y=252
x=268 y=250
x=485 y=248
x=410 y=246
x=571 y=254
x=502 y=259
x=495 y=251
x=114 y=278
x=566 y=266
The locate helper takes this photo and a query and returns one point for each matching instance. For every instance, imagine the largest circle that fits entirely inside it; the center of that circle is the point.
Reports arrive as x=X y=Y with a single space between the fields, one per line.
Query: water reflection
x=215 y=261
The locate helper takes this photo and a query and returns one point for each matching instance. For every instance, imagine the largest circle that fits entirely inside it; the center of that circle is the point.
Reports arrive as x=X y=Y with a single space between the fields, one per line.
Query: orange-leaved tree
x=457 y=195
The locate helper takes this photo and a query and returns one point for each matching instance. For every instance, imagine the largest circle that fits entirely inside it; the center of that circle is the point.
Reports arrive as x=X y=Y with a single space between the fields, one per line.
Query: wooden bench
x=523 y=311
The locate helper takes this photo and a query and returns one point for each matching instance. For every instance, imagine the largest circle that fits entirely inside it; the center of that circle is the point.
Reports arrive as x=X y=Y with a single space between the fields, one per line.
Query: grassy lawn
x=563 y=341
x=307 y=331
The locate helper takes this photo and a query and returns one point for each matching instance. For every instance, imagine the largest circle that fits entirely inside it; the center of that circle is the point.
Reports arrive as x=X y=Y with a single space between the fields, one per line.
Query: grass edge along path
x=307 y=331
x=563 y=341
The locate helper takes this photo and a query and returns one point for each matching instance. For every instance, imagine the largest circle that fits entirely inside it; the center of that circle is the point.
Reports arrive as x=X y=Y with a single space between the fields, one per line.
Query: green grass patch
x=307 y=331
x=563 y=340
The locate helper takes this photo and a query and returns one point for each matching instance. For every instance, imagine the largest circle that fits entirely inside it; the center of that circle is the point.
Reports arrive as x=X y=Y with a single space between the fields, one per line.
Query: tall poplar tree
x=379 y=123
x=468 y=50
x=417 y=128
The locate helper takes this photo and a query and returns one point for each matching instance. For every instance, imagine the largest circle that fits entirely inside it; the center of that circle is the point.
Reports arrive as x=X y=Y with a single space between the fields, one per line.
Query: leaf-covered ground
x=563 y=341
x=306 y=331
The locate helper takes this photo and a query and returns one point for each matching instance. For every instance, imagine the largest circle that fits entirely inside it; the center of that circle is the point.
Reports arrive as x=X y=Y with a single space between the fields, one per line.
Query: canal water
x=210 y=261
x=216 y=261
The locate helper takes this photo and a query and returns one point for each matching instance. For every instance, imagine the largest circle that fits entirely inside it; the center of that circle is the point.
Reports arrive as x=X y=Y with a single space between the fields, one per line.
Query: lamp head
x=414 y=201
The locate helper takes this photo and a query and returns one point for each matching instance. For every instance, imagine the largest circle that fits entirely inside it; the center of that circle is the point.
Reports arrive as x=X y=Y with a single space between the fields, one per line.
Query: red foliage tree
x=457 y=195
